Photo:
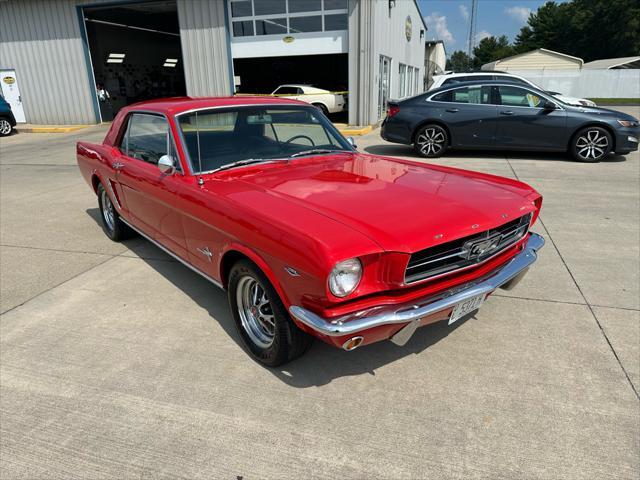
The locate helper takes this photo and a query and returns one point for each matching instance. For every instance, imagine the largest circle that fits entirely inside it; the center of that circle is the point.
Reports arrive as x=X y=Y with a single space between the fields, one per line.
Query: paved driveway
x=116 y=361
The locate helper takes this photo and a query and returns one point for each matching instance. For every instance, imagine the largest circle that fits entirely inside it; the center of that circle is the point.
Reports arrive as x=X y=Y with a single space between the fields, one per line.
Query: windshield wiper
x=246 y=161
x=317 y=151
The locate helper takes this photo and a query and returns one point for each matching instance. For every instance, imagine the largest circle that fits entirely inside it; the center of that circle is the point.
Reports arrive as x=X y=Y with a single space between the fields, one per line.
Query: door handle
x=506 y=112
x=452 y=110
x=117 y=165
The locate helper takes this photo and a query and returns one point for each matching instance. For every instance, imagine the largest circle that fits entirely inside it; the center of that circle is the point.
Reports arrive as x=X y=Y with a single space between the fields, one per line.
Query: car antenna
x=200 y=180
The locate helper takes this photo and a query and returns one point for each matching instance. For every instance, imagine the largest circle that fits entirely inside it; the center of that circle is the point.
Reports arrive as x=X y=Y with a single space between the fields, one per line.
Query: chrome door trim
x=166 y=250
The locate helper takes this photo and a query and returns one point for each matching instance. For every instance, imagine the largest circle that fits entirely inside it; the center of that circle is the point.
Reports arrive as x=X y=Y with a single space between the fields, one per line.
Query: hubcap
x=107 y=211
x=255 y=311
x=5 y=127
x=592 y=144
x=431 y=141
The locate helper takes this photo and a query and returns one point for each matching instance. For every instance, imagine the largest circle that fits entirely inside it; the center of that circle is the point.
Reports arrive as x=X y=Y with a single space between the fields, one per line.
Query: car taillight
x=392 y=110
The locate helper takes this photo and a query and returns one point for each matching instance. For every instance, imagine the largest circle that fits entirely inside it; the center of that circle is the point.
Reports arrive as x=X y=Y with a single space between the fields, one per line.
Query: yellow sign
x=288 y=39
x=9 y=80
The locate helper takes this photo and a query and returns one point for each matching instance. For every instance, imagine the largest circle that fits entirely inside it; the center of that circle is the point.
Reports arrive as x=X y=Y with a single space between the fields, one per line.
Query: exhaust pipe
x=353 y=343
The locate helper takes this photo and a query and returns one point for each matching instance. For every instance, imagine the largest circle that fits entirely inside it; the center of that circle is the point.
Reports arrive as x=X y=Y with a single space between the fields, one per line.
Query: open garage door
x=264 y=75
x=135 y=53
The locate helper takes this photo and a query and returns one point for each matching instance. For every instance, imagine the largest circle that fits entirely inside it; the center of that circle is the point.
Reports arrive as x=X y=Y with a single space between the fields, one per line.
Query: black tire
x=591 y=144
x=115 y=229
x=282 y=341
x=322 y=108
x=5 y=127
x=431 y=141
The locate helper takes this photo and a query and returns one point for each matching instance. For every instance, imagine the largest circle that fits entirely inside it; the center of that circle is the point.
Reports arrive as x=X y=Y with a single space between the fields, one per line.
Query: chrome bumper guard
x=506 y=276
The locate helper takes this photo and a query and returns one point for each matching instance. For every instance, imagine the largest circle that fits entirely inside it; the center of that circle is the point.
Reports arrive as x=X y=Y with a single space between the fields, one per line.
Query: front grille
x=465 y=252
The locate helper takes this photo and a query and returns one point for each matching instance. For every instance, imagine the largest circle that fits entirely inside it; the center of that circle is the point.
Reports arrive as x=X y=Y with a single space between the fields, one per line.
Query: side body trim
x=161 y=247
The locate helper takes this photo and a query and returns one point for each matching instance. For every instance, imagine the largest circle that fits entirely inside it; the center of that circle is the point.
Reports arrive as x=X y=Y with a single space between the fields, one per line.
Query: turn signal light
x=392 y=110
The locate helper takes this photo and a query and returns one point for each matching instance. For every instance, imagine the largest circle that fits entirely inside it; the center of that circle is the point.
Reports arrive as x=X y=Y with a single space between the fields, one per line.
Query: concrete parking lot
x=116 y=361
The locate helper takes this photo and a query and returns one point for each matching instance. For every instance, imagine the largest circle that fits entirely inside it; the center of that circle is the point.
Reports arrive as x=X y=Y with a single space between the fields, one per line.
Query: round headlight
x=344 y=277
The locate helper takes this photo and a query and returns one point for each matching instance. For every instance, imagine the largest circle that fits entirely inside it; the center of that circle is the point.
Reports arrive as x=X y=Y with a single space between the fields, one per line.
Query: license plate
x=467 y=306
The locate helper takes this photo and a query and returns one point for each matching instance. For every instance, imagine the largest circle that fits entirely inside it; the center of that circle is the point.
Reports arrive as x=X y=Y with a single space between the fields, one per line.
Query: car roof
x=481 y=82
x=177 y=105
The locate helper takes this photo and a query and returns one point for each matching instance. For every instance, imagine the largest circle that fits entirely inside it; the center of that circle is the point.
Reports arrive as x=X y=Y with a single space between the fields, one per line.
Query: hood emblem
x=438 y=236
x=504 y=215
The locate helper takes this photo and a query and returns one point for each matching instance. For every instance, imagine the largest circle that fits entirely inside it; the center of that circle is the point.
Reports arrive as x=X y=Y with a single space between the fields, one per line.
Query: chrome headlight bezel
x=345 y=277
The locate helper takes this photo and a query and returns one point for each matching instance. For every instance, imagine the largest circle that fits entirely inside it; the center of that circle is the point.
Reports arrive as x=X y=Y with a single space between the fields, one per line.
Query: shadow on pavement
x=408 y=151
x=322 y=363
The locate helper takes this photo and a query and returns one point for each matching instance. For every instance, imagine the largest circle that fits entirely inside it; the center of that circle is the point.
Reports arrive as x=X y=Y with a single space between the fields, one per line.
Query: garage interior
x=135 y=53
x=265 y=74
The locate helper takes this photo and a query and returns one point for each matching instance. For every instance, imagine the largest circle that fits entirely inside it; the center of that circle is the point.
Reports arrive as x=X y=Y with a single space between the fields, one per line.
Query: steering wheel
x=301 y=136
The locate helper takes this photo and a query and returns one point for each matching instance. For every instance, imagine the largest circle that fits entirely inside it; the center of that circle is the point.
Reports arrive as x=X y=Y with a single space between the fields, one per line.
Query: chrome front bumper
x=506 y=276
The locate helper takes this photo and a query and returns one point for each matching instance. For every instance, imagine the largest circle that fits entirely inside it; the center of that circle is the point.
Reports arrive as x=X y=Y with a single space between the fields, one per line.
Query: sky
x=448 y=20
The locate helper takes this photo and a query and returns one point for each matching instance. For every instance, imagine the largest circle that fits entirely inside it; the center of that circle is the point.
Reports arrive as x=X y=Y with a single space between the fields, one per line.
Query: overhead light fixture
x=170 y=62
x=116 y=58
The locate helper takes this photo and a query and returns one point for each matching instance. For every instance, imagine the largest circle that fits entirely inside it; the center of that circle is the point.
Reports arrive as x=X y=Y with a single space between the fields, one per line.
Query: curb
x=355 y=131
x=47 y=129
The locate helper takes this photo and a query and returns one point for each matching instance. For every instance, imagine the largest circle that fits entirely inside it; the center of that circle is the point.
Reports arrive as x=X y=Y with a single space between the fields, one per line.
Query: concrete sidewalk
x=118 y=362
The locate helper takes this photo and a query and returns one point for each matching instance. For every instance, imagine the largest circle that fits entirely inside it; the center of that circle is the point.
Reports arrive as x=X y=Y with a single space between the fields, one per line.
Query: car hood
x=606 y=112
x=400 y=205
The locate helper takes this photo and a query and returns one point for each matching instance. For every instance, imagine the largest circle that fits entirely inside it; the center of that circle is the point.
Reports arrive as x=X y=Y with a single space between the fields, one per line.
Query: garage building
x=79 y=61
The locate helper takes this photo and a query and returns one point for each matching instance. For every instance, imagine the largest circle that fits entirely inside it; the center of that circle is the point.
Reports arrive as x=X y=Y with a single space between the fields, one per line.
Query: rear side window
x=147 y=138
x=288 y=91
x=474 y=95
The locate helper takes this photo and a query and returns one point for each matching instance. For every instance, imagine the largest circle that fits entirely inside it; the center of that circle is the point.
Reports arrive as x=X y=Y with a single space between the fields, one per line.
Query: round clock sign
x=408 y=28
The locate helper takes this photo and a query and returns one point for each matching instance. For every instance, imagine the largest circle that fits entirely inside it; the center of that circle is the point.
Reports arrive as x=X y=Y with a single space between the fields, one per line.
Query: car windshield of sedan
x=218 y=137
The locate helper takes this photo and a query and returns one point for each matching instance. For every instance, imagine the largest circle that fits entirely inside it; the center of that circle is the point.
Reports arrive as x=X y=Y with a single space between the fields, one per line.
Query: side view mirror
x=548 y=105
x=352 y=142
x=167 y=164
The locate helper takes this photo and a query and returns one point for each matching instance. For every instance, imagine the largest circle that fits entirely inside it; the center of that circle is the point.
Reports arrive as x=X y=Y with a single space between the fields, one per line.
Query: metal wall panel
x=205 y=49
x=41 y=40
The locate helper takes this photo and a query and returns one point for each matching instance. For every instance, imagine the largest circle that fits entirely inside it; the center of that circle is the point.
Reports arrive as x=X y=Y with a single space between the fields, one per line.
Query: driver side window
x=519 y=97
x=147 y=138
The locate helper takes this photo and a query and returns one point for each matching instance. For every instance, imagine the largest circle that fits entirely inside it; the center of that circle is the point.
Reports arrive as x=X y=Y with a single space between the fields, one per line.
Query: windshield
x=218 y=137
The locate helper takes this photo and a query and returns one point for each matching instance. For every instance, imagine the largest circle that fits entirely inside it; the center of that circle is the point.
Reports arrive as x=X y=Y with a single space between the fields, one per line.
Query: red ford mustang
x=265 y=198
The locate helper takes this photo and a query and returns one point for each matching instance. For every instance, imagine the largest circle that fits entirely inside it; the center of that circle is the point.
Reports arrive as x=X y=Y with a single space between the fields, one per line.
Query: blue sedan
x=499 y=115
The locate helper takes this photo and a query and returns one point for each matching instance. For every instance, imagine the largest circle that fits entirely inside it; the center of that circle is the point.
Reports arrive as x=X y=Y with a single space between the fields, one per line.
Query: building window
x=305 y=24
x=403 y=80
x=336 y=22
x=277 y=17
x=271 y=26
x=269 y=7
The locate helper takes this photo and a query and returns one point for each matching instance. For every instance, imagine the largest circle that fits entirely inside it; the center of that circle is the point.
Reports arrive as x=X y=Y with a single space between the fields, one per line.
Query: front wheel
x=113 y=227
x=431 y=141
x=591 y=144
x=261 y=319
x=5 y=127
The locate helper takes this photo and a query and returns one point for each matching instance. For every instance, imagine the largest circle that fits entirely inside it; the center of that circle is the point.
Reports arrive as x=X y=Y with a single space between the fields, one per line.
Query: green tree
x=459 y=61
x=490 y=49
x=589 y=29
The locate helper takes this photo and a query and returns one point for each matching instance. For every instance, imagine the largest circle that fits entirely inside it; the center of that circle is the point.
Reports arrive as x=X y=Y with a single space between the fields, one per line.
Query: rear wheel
x=591 y=144
x=5 y=127
x=431 y=141
x=261 y=319
x=113 y=227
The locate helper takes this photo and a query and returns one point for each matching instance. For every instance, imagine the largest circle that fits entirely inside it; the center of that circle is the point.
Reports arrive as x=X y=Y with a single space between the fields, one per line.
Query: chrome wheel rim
x=431 y=141
x=5 y=127
x=256 y=314
x=107 y=211
x=592 y=145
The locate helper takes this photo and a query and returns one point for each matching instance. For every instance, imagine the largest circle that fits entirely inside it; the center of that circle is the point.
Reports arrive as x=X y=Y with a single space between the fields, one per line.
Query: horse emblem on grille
x=478 y=248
